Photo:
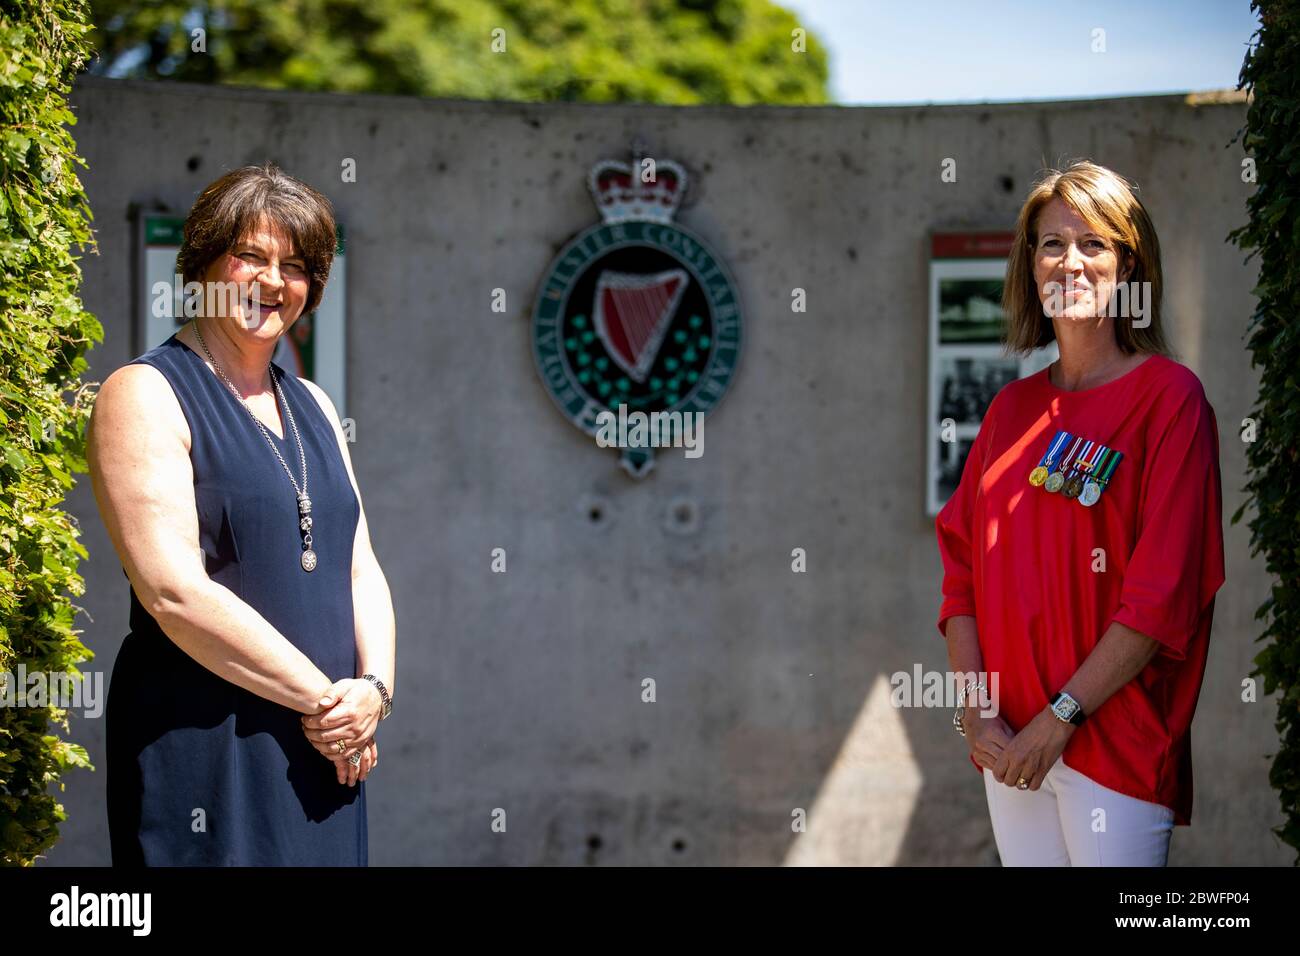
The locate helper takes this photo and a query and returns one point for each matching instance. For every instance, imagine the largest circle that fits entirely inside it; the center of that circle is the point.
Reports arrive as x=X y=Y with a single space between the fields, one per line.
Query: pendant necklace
x=304 y=503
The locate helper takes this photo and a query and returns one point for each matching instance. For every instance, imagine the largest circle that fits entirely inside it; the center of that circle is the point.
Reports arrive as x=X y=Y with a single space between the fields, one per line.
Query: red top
x=1025 y=563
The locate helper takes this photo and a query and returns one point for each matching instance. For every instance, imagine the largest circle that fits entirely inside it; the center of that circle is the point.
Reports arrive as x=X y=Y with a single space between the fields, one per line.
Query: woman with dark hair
x=1083 y=547
x=243 y=704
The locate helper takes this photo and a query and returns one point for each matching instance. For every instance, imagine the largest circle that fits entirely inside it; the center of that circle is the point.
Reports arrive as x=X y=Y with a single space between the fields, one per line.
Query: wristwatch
x=383 y=693
x=1067 y=709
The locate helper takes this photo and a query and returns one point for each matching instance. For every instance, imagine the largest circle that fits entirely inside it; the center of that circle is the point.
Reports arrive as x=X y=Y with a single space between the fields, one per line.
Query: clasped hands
x=349 y=711
x=1028 y=755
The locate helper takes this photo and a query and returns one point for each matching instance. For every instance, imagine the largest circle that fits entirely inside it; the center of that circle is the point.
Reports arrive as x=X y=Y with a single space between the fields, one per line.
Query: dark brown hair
x=228 y=209
x=1110 y=206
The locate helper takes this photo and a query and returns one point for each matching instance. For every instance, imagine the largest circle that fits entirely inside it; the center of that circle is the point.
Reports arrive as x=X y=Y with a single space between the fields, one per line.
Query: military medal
x=1039 y=474
x=1095 y=486
x=1057 y=478
x=1074 y=484
x=1090 y=494
x=1088 y=464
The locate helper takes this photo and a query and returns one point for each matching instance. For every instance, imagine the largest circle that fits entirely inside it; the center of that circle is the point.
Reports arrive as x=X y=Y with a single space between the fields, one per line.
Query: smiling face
x=1076 y=269
x=272 y=278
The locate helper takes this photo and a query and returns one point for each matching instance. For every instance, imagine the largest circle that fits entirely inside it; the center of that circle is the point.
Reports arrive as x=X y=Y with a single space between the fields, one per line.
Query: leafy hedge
x=1271 y=73
x=44 y=333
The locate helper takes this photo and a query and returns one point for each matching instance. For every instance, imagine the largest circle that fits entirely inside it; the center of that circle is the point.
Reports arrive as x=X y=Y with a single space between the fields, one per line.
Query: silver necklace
x=304 y=503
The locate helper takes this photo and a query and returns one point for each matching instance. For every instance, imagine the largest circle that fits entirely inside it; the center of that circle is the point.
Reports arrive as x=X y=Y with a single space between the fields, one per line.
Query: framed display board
x=314 y=347
x=967 y=362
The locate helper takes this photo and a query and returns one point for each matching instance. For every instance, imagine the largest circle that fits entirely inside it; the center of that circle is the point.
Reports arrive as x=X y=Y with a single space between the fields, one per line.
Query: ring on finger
x=342 y=745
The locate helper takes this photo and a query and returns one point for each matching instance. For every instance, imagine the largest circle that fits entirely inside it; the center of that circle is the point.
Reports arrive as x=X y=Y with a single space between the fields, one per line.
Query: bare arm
x=1118 y=657
x=372 y=602
x=987 y=735
x=964 y=655
x=138 y=445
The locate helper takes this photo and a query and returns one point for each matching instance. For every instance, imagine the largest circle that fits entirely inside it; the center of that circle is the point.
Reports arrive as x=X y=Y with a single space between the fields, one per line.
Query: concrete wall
x=522 y=690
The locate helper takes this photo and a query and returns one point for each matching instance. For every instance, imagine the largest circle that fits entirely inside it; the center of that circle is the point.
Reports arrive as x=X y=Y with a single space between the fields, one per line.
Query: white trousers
x=1070 y=820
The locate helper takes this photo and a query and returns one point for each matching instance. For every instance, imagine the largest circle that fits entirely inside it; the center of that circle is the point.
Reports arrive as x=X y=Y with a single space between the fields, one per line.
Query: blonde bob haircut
x=1109 y=204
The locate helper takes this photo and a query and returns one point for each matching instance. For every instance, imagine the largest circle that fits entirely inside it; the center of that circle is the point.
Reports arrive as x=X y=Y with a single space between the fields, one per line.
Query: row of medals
x=1075 y=485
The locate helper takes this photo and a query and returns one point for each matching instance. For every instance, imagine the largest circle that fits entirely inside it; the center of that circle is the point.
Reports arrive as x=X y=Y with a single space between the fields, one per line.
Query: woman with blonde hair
x=1083 y=547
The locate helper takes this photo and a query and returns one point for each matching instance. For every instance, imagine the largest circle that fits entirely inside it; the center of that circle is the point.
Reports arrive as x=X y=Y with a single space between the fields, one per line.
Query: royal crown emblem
x=636 y=313
x=622 y=194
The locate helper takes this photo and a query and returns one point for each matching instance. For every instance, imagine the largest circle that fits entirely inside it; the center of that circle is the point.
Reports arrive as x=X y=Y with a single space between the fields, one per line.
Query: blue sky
x=948 y=51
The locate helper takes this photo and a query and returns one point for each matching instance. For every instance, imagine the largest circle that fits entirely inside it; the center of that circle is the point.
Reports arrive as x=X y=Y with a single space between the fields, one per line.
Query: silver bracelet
x=961 y=708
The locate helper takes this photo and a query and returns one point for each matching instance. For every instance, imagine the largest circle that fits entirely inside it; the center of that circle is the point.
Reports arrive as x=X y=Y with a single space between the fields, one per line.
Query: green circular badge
x=636 y=315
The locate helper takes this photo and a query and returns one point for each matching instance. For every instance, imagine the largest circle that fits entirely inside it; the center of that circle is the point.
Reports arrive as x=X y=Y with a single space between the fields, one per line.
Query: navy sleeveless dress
x=200 y=771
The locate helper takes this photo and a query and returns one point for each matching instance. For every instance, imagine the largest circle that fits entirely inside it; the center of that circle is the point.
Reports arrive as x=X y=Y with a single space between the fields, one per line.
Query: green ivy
x=1271 y=137
x=44 y=334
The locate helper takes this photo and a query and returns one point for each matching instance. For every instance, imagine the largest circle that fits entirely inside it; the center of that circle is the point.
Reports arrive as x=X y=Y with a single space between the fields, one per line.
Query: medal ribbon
x=1078 y=459
x=1108 y=467
x=1058 y=440
x=1088 y=463
x=1065 y=463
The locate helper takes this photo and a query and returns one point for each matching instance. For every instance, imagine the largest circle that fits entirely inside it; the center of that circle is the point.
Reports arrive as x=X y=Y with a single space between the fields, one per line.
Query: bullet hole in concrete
x=193 y=163
x=679 y=845
x=594 y=842
x=442 y=167
x=853 y=254
x=596 y=510
x=1007 y=183
x=682 y=516
x=374 y=128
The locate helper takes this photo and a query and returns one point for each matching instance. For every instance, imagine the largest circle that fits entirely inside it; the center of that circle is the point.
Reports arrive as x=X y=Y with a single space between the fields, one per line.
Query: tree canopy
x=738 y=52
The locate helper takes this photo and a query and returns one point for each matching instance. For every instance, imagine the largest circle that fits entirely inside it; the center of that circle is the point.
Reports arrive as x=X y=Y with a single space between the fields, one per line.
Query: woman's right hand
x=986 y=736
x=352 y=710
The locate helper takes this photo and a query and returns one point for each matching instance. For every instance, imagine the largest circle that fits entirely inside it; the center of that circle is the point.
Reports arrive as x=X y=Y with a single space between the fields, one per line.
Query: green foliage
x=44 y=334
x=652 y=51
x=1271 y=74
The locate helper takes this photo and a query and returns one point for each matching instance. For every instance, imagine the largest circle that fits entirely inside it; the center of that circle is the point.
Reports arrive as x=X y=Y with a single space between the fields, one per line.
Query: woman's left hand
x=352 y=718
x=351 y=774
x=1033 y=751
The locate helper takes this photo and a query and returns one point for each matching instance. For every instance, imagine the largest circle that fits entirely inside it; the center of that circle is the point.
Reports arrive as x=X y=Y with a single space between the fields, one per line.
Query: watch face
x=1065 y=708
